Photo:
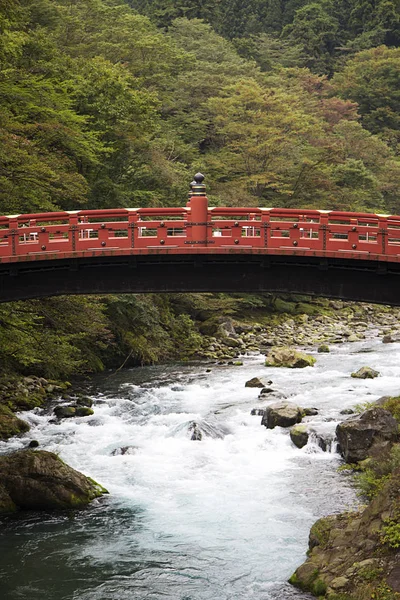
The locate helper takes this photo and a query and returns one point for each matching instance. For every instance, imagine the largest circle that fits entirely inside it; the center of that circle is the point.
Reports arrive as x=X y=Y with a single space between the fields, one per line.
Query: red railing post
x=197 y=218
x=323 y=231
x=73 y=232
x=133 y=228
x=382 y=235
x=295 y=234
x=353 y=236
x=14 y=234
x=266 y=225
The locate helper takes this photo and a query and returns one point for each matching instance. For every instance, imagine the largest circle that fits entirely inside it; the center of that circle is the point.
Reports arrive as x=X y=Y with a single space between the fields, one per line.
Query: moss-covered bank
x=355 y=556
x=56 y=338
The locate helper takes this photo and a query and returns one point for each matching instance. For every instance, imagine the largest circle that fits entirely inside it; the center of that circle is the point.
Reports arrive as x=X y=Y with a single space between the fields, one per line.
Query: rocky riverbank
x=355 y=556
x=32 y=479
x=320 y=324
x=24 y=393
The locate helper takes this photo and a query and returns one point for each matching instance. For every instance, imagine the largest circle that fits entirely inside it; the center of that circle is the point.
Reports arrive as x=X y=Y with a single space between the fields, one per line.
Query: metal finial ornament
x=198 y=187
x=199 y=178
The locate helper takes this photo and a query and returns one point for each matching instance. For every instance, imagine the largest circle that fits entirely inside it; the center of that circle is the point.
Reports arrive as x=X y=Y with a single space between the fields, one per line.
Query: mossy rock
x=84 y=401
x=392 y=404
x=216 y=326
x=283 y=306
x=323 y=349
x=307 y=578
x=320 y=531
x=33 y=400
x=6 y=504
x=299 y=435
x=40 y=480
x=10 y=424
x=65 y=412
x=84 y=411
x=365 y=373
x=287 y=357
x=307 y=309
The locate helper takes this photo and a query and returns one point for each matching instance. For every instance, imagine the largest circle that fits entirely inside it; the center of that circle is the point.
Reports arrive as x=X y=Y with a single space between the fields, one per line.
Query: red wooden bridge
x=198 y=248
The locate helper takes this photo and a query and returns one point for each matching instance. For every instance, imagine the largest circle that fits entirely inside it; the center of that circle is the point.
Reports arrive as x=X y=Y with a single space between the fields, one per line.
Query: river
x=224 y=518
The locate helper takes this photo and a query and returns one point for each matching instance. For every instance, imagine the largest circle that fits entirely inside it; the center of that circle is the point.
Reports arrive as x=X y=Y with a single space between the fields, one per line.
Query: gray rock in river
x=124 y=450
x=360 y=434
x=310 y=412
x=258 y=382
x=195 y=432
x=281 y=414
x=259 y=412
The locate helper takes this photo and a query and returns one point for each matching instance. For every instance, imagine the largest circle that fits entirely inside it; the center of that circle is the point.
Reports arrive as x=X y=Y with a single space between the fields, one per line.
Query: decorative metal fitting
x=162 y=224
x=162 y=241
x=354 y=228
x=295 y=243
x=236 y=224
x=295 y=226
x=354 y=246
x=236 y=241
x=103 y=243
x=43 y=247
x=103 y=225
x=197 y=186
x=43 y=229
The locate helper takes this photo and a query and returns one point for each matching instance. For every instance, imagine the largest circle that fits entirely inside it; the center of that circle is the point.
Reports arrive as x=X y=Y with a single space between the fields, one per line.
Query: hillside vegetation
x=105 y=103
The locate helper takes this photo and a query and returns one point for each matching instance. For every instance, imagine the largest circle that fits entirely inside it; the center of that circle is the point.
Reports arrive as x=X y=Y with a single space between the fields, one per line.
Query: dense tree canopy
x=107 y=103
x=99 y=107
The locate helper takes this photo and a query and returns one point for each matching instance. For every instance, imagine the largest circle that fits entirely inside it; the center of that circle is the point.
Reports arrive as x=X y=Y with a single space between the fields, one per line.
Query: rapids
x=224 y=518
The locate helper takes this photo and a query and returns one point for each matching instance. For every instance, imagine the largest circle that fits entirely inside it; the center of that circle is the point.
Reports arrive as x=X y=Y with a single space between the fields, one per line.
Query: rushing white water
x=223 y=518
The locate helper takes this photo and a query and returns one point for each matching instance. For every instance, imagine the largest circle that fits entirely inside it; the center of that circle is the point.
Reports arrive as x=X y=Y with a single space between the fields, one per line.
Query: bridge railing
x=197 y=227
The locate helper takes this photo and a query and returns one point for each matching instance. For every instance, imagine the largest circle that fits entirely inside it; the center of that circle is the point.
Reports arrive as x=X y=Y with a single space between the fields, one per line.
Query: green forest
x=106 y=103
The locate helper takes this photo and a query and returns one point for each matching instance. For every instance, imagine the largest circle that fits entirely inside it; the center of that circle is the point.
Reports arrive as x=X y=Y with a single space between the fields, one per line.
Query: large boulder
x=365 y=373
x=40 y=480
x=281 y=414
x=287 y=357
x=218 y=327
x=358 y=435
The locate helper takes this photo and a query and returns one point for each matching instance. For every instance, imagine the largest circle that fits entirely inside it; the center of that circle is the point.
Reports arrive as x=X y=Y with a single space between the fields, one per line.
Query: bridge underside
x=344 y=279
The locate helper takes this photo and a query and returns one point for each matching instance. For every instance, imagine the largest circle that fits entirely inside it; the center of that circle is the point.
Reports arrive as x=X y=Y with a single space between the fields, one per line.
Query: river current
x=224 y=518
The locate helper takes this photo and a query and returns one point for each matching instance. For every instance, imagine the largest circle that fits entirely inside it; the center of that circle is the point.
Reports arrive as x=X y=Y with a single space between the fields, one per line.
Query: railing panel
x=215 y=228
